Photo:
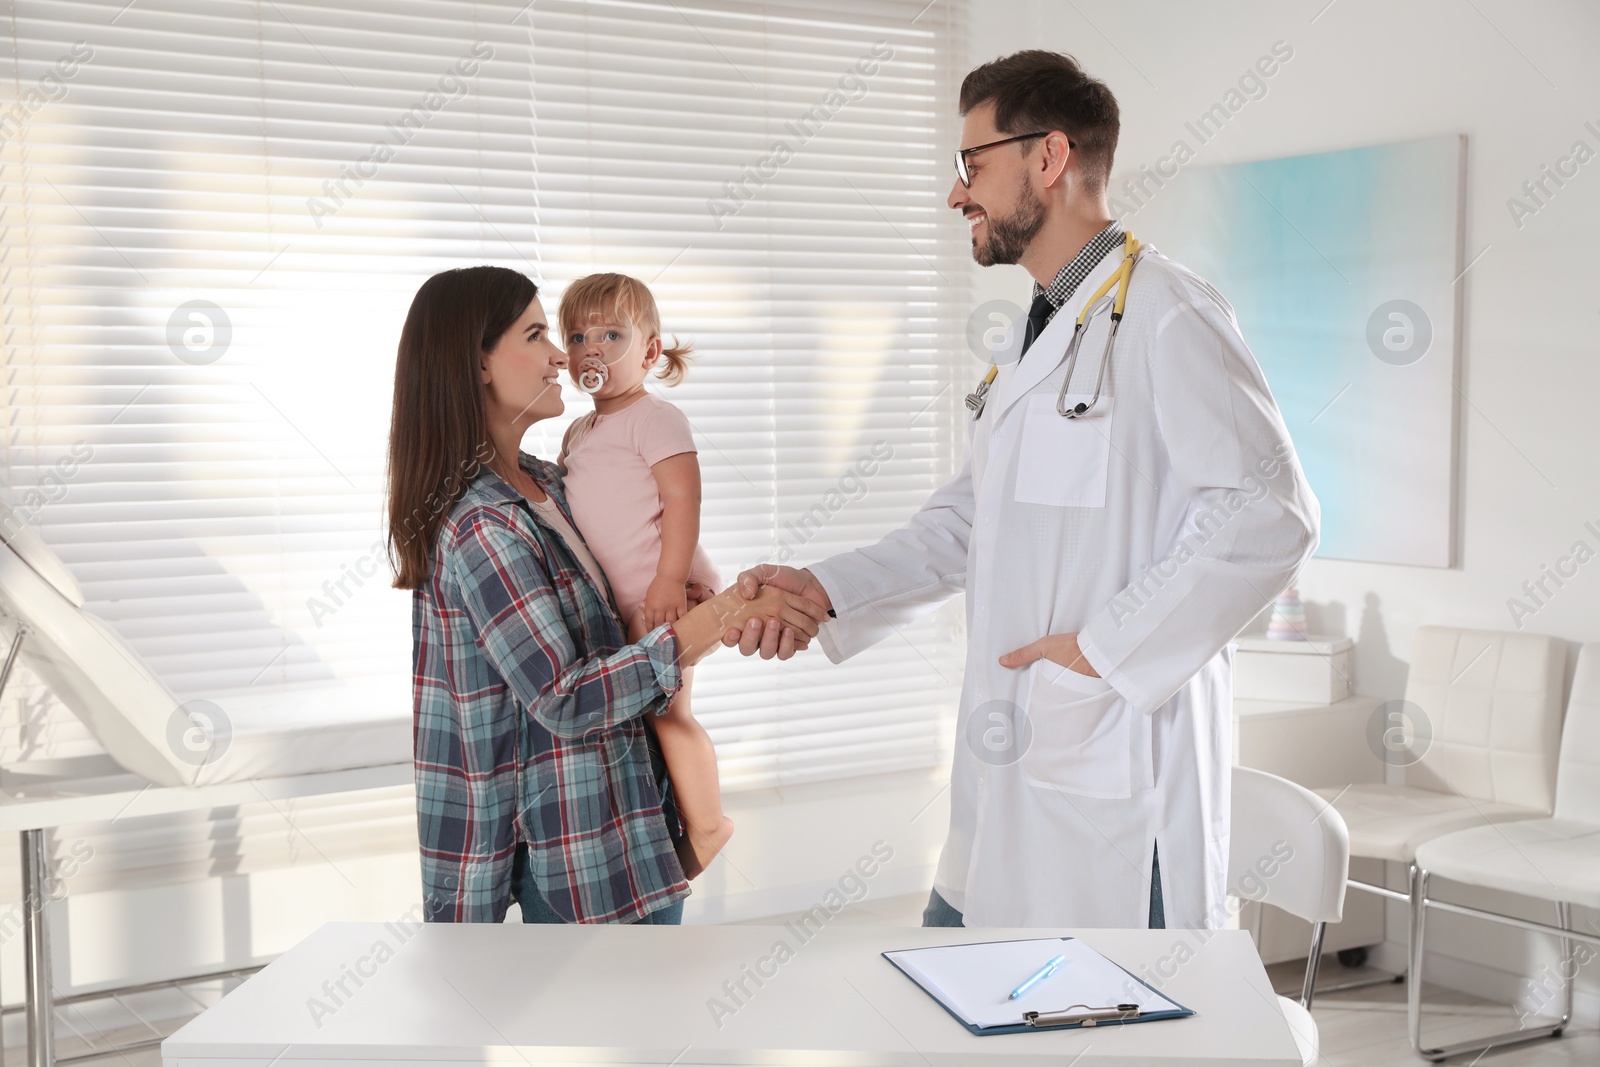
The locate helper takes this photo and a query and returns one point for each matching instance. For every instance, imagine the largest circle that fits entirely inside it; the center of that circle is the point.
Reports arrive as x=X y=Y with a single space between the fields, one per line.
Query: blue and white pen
x=1038 y=976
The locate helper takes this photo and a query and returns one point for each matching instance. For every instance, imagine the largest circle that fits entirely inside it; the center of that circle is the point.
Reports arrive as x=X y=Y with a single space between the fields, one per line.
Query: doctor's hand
x=1057 y=648
x=788 y=616
x=771 y=639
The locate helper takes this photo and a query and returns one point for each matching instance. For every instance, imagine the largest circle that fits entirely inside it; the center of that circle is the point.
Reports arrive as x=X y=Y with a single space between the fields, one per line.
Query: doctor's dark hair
x=1037 y=90
x=439 y=429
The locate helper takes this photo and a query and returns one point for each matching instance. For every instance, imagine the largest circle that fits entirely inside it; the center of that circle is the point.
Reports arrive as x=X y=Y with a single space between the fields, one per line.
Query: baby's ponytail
x=674 y=361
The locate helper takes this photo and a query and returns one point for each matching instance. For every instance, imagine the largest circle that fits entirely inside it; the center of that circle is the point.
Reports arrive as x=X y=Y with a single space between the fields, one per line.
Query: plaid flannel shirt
x=529 y=722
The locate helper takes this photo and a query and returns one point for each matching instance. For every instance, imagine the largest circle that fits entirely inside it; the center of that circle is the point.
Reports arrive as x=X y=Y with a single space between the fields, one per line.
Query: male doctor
x=1108 y=560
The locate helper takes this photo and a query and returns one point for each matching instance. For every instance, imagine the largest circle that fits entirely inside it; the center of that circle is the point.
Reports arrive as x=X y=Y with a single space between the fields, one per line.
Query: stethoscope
x=1097 y=303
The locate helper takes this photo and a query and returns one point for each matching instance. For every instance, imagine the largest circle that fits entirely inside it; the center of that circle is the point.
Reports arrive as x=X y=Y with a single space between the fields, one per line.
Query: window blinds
x=217 y=212
x=775 y=173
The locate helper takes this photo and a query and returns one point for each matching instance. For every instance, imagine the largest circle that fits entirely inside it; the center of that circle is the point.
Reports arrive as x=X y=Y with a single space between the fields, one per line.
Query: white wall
x=1520 y=81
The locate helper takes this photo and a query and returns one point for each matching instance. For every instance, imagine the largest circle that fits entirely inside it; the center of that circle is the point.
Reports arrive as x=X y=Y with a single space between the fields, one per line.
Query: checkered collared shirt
x=530 y=724
x=1069 y=277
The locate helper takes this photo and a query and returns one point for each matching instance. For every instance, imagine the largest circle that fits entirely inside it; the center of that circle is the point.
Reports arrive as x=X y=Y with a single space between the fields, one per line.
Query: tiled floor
x=1368 y=1027
x=1359 y=1028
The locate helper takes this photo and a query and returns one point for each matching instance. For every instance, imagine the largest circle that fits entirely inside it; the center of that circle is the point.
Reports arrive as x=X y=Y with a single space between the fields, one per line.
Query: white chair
x=1488 y=705
x=1555 y=859
x=1289 y=848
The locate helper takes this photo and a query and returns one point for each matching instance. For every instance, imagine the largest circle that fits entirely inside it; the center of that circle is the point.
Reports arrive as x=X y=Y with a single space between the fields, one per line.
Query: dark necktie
x=1037 y=314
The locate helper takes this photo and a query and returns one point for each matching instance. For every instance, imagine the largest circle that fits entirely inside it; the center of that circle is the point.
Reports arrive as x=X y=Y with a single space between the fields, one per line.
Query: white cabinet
x=1314 y=671
x=1315 y=745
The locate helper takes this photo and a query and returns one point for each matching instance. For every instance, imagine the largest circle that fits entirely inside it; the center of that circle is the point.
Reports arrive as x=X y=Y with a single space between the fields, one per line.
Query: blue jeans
x=940 y=913
x=535 y=909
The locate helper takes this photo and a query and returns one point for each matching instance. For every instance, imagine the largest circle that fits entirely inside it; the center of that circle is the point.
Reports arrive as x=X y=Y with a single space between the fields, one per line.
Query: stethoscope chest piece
x=977 y=398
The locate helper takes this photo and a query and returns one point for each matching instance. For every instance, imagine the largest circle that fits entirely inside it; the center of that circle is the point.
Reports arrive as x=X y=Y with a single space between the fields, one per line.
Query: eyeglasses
x=961 y=153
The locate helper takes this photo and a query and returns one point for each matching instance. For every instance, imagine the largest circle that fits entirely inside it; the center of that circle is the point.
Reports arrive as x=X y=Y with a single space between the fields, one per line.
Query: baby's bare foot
x=698 y=848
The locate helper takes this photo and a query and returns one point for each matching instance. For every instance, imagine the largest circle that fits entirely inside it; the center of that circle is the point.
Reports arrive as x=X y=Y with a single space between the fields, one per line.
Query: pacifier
x=594 y=350
x=592 y=374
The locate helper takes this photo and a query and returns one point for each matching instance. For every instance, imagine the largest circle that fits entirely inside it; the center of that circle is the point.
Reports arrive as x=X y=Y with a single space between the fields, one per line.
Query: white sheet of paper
x=975 y=981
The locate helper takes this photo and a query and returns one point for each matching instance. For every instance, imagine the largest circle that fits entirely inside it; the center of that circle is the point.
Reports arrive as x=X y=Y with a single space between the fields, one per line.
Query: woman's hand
x=701 y=629
x=772 y=605
x=665 y=601
x=772 y=640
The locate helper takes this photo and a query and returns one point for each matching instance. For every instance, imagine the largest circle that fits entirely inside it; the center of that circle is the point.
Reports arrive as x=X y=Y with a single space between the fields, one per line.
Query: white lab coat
x=1157 y=527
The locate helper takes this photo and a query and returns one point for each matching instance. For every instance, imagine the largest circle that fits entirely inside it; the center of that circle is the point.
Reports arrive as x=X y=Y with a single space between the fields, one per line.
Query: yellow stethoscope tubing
x=1120 y=279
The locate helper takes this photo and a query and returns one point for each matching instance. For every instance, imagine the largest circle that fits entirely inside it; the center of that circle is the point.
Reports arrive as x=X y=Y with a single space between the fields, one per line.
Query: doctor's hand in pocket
x=1057 y=648
x=1086 y=739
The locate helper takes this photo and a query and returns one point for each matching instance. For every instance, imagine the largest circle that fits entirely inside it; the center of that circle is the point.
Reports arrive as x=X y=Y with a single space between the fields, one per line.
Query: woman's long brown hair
x=438 y=431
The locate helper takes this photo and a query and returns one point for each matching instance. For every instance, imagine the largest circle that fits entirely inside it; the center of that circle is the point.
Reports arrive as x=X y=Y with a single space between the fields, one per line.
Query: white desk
x=539 y=995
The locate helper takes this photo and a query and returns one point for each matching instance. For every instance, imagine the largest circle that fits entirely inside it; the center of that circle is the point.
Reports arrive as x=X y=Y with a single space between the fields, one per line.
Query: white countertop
x=648 y=995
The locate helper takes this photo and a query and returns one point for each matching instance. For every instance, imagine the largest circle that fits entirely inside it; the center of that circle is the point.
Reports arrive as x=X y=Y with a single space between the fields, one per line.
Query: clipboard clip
x=1082 y=1014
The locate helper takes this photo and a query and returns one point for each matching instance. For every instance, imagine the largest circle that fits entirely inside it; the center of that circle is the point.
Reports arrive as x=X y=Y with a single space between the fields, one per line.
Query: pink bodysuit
x=613 y=495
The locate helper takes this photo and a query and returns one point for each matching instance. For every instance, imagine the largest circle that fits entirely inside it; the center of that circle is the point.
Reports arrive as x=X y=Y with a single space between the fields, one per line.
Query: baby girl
x=633 y=484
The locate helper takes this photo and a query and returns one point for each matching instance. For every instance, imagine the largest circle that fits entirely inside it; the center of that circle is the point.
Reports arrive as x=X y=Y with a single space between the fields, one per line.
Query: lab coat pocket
x=1085 y=736
x=1062 y=461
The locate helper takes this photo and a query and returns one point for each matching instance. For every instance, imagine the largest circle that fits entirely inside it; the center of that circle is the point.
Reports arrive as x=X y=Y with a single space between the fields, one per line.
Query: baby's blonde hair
x=609 y=294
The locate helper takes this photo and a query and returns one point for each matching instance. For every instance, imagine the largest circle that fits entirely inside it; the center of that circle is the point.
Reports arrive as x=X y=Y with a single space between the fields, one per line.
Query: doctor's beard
x=1009 y=237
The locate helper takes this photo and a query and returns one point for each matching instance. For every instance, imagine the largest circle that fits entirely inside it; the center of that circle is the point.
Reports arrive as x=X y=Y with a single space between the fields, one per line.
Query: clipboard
x=1119 y=1010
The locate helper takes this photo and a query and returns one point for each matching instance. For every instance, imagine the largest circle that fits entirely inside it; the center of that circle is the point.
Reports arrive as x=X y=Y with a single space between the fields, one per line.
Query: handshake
x=776 y=610
x=770 y=609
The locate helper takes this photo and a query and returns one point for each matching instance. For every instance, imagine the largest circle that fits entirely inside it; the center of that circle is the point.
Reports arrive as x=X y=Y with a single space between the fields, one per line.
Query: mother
x=536 y=777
